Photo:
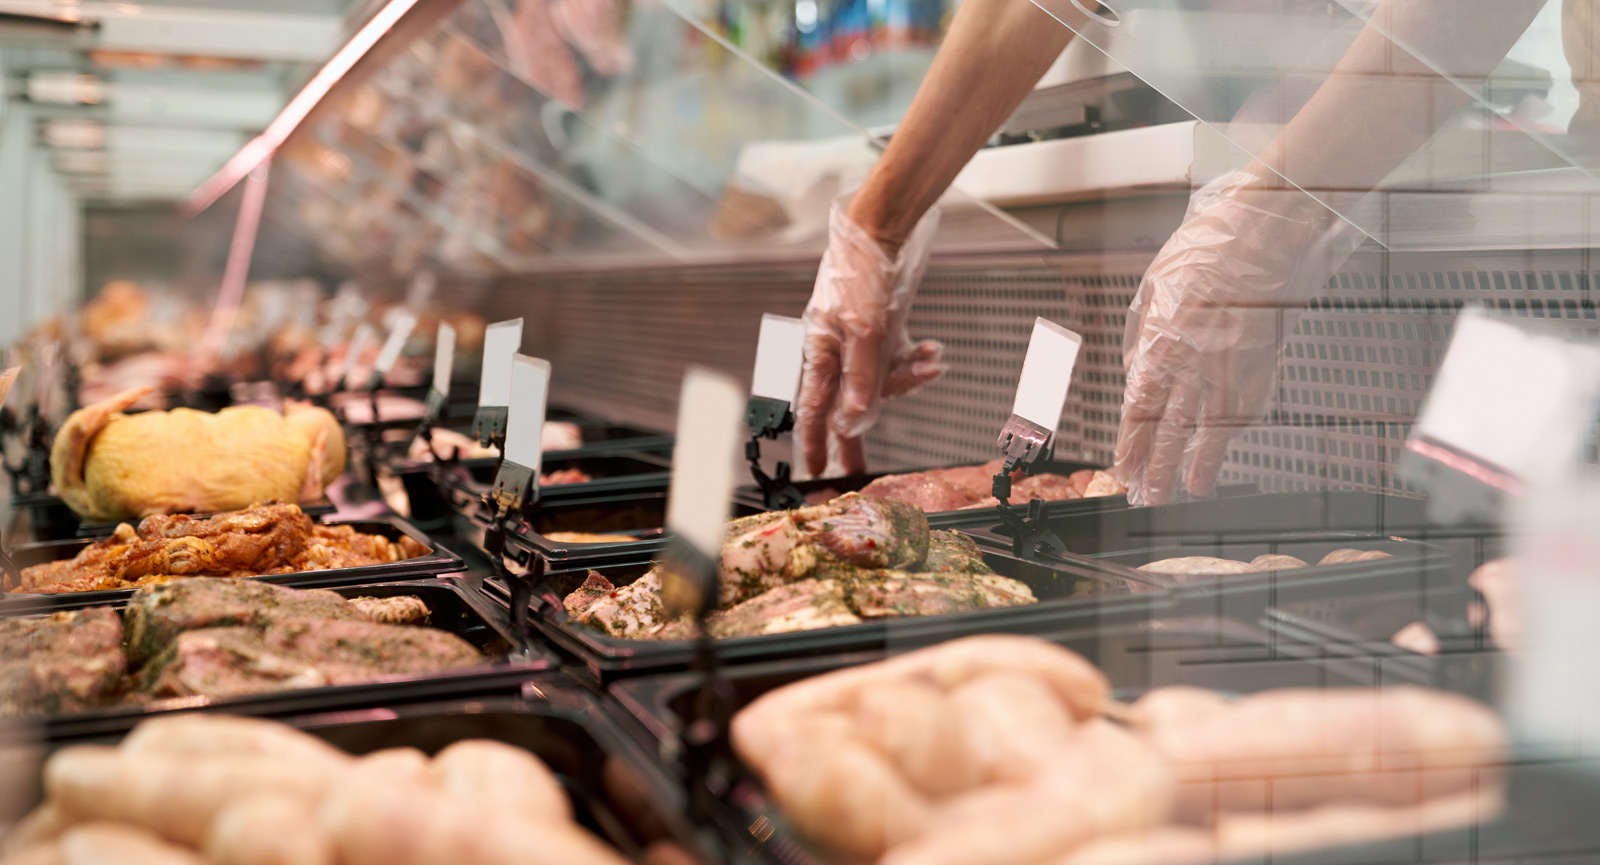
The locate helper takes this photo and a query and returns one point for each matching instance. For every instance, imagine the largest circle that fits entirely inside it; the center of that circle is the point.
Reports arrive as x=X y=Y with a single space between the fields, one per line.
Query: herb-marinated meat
x=298 y=653
x=393 y=610
x=158 y=614
x=66 y=662
x=819 y=566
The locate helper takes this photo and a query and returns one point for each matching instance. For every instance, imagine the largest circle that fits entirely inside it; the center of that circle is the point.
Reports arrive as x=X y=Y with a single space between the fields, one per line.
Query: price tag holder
x=780 y=353
x=1508 y=412
x=398 y=334
x=364 y=337
x=1041 y=394
x=501 y=341
x=420 y=294
x=703 y=471
x=516 y=484
x=444 y=359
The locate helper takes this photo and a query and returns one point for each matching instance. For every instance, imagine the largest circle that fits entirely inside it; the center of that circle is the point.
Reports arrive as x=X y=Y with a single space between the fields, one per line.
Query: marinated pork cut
x=66 y=662
x=393 y=610
x=298 y=653
x=806 y=605
x=884 y=594
x=940 y=490
x=926 y=490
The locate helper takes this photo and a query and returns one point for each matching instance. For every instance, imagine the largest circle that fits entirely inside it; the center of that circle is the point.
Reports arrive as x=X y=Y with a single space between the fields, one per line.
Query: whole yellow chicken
x=110 y=466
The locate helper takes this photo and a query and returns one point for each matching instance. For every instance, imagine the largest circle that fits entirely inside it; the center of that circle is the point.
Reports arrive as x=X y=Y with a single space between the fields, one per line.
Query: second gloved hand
x=1206 y=330
x=857 y=349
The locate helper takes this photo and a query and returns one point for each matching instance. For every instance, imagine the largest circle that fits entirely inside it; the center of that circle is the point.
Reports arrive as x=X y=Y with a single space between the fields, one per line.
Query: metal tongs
x=770 y=418
x=1025 y=446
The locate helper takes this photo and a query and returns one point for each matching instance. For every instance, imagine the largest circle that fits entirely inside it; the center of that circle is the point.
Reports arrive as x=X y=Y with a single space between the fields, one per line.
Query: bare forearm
x=1381 y=104
x=990 y=60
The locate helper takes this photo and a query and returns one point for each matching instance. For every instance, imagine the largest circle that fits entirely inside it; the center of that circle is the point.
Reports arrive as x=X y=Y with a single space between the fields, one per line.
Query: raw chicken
x=66 y=662
x=109 y=466
x=1276 y=562
x=1345 y=557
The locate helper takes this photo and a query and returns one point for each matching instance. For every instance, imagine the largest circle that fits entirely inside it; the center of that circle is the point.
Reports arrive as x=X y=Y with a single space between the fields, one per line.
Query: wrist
x=881 y=219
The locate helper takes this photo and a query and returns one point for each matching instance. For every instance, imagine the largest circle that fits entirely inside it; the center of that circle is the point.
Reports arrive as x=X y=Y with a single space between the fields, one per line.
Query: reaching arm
x=991 y=58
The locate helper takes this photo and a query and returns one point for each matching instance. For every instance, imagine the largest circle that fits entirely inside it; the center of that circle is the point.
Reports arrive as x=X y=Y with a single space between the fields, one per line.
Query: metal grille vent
x=1356 y=369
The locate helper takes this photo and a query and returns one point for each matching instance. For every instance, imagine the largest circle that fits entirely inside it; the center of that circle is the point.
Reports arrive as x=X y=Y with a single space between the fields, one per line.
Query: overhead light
x=74 y=134
x=259 y=149
x=65 y=88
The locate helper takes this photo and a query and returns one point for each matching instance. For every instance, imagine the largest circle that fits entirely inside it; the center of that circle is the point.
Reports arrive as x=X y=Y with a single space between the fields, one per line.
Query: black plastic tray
x=1069 y=595
x=747 y=499
x=465 y=483
x=565 y=728
x=440 y=561
x=455 y=607
x=638 y=514
x=1549 y=818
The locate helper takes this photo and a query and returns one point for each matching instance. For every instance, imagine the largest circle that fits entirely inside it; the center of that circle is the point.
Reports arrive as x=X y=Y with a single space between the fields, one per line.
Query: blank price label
x=444 y=358
x=703 y=464
x=500 y=342
x=779 y=355
x=396 y=341
x=530 y=388
x=1517 y=400
x=7 y=379
x=1046 y=374
x=364 y=338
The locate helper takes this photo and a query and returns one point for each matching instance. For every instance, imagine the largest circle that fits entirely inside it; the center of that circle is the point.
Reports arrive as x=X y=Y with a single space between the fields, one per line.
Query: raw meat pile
x=264 y=539
x=1209 y=566
x=556 y=435
x=852 y=559
x=954 y=489
x=997 y=750
x=215 y=638
x=110 y=466
x=193 y=789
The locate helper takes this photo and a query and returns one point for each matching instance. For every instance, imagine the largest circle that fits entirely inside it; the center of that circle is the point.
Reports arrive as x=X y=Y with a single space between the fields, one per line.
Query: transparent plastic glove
x=1206 y=330
x=857 y=350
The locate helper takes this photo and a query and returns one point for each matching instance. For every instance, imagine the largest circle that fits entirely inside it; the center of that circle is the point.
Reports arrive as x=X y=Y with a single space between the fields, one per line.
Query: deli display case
x=1303 y=570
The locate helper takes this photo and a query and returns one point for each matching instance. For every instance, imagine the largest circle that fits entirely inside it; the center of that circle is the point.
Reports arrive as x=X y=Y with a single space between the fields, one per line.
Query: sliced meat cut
x=65 y=662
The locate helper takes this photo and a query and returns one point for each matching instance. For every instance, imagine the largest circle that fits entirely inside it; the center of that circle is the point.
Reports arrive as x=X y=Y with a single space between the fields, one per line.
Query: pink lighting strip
x=237 y=270
x=261 y=148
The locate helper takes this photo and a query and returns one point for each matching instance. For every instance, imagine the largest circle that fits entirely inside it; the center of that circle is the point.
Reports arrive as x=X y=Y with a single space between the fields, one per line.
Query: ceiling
x=141 y=101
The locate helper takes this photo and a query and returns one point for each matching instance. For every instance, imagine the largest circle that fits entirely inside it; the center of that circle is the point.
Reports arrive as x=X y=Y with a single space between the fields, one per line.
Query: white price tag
x=364 y=338
x=1517 y=400
x=1554 y=581
x=703 y=460
x=780 y=352
x=1046 y=374
x=421 y=291
x=530 y=389
x=7 y=379
x=500 y=342
x=444 y=358
x=398 y=334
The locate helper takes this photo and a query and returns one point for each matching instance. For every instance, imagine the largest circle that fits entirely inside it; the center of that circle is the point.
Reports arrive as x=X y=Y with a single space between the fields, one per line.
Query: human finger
x=1171 y=438
x=819 y=391
x=861 y=381
x=921 y=365
x=852 y=454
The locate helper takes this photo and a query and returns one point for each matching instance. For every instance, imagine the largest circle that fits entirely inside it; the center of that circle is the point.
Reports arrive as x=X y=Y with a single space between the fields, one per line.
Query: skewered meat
x=393 y=610
x=109 y=466
x=298 y=653
x=819 y=566
x=265 y=539
x=66 y=662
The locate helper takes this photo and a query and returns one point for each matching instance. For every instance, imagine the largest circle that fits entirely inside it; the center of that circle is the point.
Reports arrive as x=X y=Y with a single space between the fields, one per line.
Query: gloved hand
x=857 y=349
x=1206 y=330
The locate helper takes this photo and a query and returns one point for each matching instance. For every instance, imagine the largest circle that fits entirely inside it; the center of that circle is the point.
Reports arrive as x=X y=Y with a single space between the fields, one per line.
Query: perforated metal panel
x=1355 y=372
